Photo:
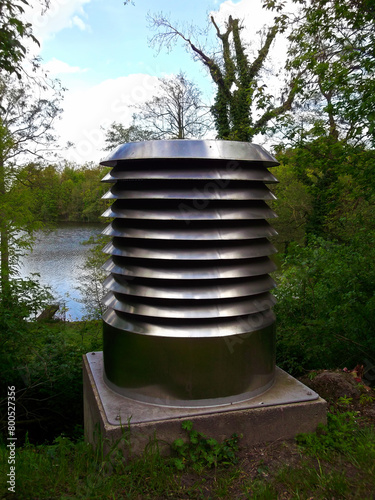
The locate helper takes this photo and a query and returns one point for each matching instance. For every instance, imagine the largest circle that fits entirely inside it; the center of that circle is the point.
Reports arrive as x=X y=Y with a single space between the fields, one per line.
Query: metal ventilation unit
x=189 y=319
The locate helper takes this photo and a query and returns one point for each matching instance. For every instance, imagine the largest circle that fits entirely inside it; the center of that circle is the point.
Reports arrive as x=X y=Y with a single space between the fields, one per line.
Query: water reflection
x=58 y=257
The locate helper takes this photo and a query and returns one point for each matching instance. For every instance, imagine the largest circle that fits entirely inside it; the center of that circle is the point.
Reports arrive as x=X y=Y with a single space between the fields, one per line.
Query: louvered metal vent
x=189 y=319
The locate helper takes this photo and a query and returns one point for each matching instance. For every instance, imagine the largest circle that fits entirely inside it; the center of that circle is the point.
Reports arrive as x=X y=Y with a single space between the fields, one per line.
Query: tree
x=339 y=179
x=13 y=33
x=81 y=193
x=240 y=93
x=333 y=42
x=327 y=138
x=25 y=132
x=118 y=134
x=177 y=112
x=292 y=206
x=91 y=286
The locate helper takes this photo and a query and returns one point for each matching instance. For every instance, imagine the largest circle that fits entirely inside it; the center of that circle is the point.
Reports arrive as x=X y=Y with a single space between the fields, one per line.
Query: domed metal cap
x=189 y=148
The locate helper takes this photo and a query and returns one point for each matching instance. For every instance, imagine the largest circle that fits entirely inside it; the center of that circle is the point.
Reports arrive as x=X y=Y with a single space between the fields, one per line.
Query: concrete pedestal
x=283 y=411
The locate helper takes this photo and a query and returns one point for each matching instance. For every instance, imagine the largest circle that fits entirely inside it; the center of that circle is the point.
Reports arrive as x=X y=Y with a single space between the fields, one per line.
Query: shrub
x=326 y=304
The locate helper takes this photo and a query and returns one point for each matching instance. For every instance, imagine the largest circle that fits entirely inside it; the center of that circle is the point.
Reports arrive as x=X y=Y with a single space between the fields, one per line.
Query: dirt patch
x=332 y=385
x=344 y=391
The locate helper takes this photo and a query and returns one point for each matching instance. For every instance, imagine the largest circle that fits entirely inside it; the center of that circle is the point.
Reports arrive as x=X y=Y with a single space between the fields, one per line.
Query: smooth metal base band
x=191 y=372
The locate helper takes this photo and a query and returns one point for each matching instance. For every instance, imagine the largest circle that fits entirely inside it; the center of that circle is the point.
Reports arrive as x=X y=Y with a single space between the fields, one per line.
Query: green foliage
x=260 y=490
x=44 y=362
x=70 y=193
x=332 y=182
x=292 y=206
x=332 y=43
x=201 y=451
x=344 y=401
x=312 y=374
x=65 y=469
x=25 y=130
x=242 y=106
x=311 y=478
x=22 y=301
x=336 y=461
x=14 y=33
x=341 y=434
x=91 y=283
x=326 y=307
x=366 y=399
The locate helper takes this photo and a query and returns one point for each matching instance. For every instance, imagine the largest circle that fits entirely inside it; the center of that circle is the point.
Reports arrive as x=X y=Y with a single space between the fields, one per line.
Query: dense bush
x=44 y=363
x=326 y=304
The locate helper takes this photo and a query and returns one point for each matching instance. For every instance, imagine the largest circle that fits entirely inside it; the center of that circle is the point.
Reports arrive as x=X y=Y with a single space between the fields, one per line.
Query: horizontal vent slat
x=195 y=231
x=183 y=308
x=218 y=327
x=190 y=250
x=204 y=192
x=169 y=289
x=191 y=270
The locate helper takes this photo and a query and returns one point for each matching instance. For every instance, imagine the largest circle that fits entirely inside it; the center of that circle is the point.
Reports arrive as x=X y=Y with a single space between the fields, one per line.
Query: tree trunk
x=4 y=238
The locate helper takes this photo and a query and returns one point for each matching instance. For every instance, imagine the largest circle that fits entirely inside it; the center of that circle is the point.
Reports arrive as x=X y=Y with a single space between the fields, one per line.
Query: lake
x=58 y=257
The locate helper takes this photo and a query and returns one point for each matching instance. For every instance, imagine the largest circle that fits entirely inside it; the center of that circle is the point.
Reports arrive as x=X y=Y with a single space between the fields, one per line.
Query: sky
x=100 y=51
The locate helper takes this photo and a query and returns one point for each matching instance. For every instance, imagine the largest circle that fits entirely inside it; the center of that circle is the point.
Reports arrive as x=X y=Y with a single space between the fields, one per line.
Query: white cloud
x=245 y=9
x=61 y=14
x=255 y=21
x=87 y=110
x=57 y=67
x=77 y=21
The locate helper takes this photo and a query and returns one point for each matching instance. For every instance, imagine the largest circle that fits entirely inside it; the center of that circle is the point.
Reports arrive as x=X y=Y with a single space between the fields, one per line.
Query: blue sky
x=110 y=40
x=99 y=50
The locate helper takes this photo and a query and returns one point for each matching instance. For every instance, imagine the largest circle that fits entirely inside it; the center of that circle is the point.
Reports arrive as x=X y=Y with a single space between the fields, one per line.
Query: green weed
x=200 y=451
x=339 y=435
x=224 y=482
x=344 y=401
x=312 y=374
x=366 y=399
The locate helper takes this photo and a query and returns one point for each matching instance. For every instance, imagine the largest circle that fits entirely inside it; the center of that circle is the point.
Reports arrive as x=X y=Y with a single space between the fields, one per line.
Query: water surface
x=58 y=257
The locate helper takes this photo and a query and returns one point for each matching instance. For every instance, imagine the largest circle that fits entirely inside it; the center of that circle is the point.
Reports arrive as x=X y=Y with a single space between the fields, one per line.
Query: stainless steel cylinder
x=189 y=319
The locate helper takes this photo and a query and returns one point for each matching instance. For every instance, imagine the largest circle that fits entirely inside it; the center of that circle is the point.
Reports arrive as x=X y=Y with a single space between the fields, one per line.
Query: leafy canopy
x=13 y=34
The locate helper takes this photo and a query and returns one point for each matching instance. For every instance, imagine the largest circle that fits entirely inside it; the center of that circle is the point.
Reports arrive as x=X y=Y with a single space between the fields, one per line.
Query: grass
x=336 y=462
x=67 y=470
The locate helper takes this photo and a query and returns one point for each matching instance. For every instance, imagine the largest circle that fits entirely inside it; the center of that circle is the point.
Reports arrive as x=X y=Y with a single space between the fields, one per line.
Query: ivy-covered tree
x=242 y=106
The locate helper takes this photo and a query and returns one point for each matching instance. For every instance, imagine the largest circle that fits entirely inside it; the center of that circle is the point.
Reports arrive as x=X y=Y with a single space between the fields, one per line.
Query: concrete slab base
x=283 y=411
